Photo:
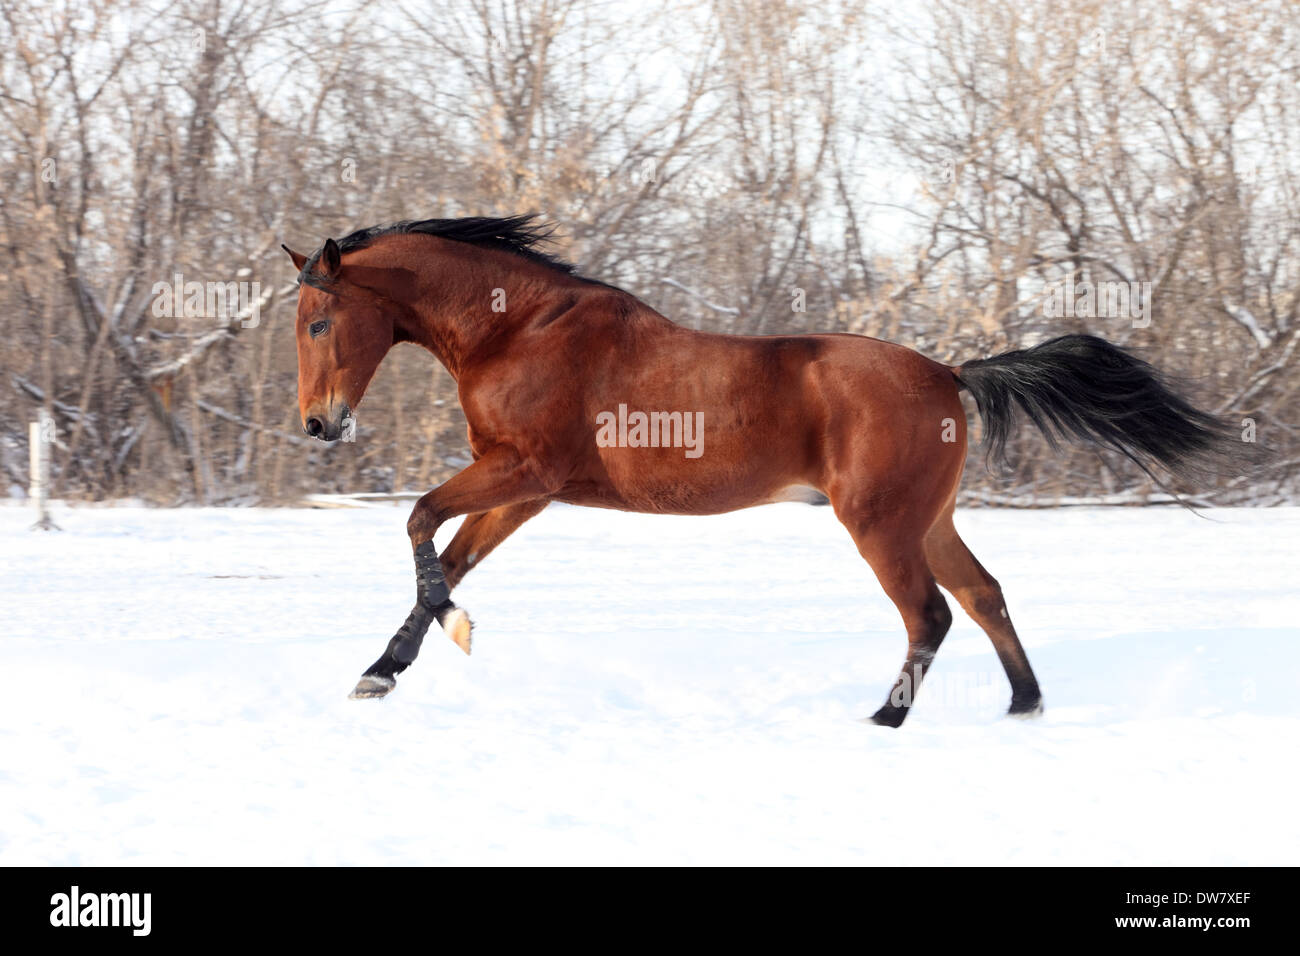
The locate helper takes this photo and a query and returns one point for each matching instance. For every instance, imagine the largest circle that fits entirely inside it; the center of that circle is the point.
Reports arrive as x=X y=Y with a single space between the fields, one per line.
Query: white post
x=41 y=435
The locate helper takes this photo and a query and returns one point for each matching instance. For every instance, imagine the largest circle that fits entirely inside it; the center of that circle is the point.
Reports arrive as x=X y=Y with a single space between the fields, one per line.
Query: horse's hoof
x=889 y=716
x=372 y=685
x=458 y=627
x=1026 y=710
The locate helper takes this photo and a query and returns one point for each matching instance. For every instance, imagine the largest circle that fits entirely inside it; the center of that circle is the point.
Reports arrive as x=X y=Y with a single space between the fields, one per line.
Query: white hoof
x=458 y=627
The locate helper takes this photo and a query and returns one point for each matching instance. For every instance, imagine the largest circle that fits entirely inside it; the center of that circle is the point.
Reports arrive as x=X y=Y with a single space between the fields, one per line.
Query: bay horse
x=544 y=359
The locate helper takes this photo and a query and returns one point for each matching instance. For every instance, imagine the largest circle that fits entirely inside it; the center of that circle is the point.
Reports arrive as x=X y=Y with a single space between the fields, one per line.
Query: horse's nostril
x=314 y=427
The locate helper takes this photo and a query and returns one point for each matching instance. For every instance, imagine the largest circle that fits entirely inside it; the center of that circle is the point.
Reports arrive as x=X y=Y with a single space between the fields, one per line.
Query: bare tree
x=708 y=155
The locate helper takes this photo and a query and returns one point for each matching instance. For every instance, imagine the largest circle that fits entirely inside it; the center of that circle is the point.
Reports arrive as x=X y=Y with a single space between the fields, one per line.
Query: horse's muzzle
x=327 y=430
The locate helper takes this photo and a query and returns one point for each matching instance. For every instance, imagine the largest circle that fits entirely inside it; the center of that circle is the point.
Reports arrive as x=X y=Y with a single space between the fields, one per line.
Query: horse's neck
x=456 y=326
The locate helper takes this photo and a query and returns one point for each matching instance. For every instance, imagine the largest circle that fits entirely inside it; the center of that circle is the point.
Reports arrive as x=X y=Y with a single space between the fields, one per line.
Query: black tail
x=1082 y=387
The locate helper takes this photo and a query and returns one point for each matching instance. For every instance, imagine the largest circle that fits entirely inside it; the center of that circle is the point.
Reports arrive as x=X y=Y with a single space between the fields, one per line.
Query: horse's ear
x=329 y=262
x=299 y=260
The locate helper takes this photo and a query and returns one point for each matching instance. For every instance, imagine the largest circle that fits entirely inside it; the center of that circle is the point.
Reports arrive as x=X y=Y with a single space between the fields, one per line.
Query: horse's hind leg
x=981 y=597
x=897 y=555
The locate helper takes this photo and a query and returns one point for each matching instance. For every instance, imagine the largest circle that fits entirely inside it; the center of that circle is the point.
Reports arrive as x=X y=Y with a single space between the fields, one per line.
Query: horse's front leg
x=498 y=478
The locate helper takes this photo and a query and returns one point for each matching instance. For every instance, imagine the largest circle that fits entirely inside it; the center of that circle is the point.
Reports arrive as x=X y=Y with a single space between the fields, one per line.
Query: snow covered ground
x=642 y=690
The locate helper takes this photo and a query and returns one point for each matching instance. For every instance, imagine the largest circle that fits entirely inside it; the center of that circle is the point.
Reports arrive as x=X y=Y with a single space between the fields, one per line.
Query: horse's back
x=770 y=412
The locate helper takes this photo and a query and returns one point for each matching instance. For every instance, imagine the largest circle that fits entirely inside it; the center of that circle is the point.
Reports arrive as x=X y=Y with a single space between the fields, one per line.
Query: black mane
x=521 y=235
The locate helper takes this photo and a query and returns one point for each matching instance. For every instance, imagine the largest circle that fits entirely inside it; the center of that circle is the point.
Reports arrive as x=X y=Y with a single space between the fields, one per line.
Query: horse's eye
x=316 y=328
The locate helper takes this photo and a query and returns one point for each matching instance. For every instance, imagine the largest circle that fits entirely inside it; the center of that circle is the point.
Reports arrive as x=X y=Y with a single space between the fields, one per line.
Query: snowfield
x=643 y=690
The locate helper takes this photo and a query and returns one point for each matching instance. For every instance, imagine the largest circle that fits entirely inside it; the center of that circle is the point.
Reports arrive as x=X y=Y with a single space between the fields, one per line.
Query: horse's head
x=344 y=330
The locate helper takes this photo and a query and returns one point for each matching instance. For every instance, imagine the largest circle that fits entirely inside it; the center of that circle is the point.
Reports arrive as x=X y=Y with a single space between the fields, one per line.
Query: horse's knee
x=425 y=519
